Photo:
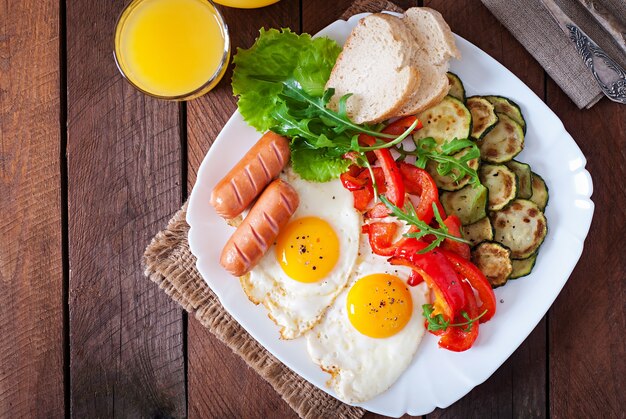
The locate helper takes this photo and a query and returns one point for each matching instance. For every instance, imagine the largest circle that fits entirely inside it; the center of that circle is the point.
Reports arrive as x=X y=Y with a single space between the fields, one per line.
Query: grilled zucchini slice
x=503 y=142
x=484 y=116
x=521 y=227
x=478 y=232
x=446 y=182
x=445 y=121
x=524 y=178
x=539 y=191
x=522 y=267
x=509 y=108
x=502 y=185
x=468 y=203
x=494 y=260
x=456 y=87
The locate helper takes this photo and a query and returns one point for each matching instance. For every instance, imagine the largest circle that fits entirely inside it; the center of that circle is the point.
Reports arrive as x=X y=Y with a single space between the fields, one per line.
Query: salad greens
x=409 y=216
x=280 y=82
x=279 y=56
x=457 y=167
x=436 y=323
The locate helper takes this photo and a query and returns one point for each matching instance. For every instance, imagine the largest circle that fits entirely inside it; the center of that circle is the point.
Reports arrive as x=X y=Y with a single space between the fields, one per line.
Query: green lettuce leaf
x=317 y=164
x=277 y=56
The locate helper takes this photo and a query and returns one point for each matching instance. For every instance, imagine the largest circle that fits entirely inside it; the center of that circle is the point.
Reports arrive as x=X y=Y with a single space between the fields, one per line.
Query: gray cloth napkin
x=533 y=26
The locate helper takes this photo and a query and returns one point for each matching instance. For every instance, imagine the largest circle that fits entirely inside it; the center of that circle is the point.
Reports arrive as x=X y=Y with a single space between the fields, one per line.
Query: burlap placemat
x=170 y=264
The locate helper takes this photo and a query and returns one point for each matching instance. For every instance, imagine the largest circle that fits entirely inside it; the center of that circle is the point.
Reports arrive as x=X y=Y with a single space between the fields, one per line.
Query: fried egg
x=311 y=260
x=370 y=334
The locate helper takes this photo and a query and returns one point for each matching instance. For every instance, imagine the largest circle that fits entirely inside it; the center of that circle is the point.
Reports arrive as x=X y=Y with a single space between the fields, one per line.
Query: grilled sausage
x=251 y=174
x=259 y=229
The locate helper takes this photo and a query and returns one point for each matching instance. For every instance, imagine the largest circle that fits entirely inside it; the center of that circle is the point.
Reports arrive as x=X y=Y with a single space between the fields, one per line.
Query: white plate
x=436 y=378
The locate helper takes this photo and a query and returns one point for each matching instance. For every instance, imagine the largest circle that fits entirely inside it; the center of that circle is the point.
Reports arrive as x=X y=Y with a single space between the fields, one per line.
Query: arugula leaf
x=277 y=56
x=317 y=165
x=438 y=322
x=409 y=216
x=448 y=163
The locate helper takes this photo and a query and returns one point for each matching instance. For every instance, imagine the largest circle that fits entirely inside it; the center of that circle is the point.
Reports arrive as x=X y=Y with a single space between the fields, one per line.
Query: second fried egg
x=370 y=334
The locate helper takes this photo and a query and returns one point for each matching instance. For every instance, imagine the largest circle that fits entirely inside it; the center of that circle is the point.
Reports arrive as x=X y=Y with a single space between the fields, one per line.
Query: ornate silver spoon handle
x=610 y=76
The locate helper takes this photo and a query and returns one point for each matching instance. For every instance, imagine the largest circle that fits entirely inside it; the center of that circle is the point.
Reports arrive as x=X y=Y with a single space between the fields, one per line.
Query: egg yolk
x=379 y=305
x=307 y=249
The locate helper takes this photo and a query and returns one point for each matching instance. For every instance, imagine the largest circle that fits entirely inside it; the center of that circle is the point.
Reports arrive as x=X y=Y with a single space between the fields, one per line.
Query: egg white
x=297 y=306
x=362 y=367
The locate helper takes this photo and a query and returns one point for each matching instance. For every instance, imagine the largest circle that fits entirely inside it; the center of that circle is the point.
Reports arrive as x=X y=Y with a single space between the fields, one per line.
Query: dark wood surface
x=90 y=170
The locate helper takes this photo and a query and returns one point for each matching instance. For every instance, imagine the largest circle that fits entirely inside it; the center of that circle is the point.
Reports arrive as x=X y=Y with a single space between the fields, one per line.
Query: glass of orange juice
x=172 y=49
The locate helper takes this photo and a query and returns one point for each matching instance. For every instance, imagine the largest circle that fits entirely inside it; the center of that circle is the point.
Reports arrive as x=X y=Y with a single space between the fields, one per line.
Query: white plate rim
x=567 y=230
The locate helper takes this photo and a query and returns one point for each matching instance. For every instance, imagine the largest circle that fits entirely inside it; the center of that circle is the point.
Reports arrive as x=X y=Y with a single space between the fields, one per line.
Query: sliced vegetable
x=524 y=178
x=477 y=280
x=454 y=228
x=521 y=227
x=484 y=116
x=461 y=338
x=382 y=237
x=445 y=121
x=393 y=178
x=433 y=234
x=503 y=142
x=540 y=191
x=469 y=203
x=437 y=272
x=419 y=183
x=478 y=232
x=494 y=260
x=457 y=90
x=449 y=182
x=501 y=182
x=509 y=108
x=399 y=126
x=358 y=180
x=522 y=267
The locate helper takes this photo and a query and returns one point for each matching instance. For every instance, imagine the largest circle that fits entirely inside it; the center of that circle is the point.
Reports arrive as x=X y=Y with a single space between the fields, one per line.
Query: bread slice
x=375 y=66
x=433 y=33
x=434 y=46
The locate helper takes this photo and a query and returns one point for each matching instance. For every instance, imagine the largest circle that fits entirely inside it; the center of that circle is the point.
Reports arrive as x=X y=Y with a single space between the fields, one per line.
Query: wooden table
x=90 y=170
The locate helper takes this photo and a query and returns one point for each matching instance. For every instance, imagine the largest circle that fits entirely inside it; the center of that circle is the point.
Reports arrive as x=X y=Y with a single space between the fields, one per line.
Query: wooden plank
x=220 y=384
x=587 y=346
x=518 y=388
x=124 y=171
x=317 y=14
x=31 y=271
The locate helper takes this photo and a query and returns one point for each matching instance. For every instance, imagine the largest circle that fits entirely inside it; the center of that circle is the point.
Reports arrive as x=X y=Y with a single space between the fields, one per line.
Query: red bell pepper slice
x=477 y=280
x=360 y=183
x=350 y=179
x=458 y=338
x=438 y=274
x=414 y=279
x=400 y=125
x=418 y=182
x=393 y=178
x=454 y=228
x=362 y=198
x=381 y=237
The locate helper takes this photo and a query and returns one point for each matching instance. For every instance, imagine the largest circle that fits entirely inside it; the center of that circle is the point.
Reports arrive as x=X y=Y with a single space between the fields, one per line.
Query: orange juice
x=246 y=4
x=173 y=49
